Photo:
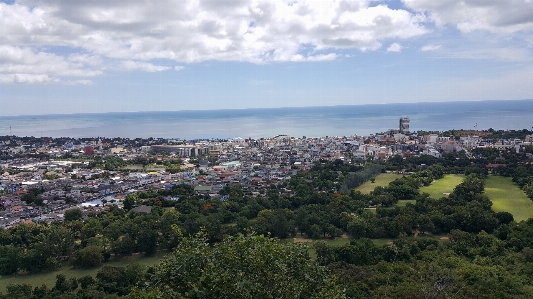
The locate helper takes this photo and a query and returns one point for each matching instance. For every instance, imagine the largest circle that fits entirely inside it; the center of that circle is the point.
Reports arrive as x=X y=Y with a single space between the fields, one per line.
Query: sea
x=345 y=120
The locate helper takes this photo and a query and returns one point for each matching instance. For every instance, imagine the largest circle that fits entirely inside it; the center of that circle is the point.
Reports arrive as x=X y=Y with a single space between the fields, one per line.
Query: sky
x=59 y=56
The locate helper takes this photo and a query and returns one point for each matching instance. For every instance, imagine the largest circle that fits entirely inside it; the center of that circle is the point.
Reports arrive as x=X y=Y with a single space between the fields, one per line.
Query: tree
x=18 y=291
x=120 y=280
x=73 y=214
x=147 y=241
x=59 y=241
x=91 y=228
x=64 y=285
x=37 y=259
x=8 y=259
x=130 y=201
x=124 y=245
x=504 y=217
x=251 y=266
x=90 y=256
x=359 y=228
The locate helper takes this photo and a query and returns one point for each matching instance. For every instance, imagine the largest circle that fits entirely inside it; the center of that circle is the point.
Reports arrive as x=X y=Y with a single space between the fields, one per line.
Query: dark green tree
x=73 y=214
x=251 y=266
x=90 y=256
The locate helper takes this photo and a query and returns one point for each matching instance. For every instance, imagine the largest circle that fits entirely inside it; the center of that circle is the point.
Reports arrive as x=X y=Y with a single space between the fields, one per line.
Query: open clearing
x=50 y=278
x=404 y=202
x=339 y=241
x=506 y=196
x=381 y=180
x=441 y=188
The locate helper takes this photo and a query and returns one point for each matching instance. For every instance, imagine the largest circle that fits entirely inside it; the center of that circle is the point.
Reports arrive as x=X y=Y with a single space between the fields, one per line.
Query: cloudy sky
x=59 y=56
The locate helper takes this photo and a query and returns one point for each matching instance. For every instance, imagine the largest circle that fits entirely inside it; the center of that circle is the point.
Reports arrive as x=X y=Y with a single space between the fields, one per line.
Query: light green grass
x=333 y=242
x=384 y=241
x=388 y=241
x=49 y=278
x=378 y=242
x=506 y=196
x=438 y=188
x=404 y=202
x=311 y=250
x=337 y=241
x=381 y=180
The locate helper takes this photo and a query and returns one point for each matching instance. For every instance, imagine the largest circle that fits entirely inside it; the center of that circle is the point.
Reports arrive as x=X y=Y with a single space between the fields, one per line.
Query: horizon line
x=265 y=108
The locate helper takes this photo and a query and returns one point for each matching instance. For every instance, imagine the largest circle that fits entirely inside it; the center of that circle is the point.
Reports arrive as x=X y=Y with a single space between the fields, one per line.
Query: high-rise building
x=404 y=125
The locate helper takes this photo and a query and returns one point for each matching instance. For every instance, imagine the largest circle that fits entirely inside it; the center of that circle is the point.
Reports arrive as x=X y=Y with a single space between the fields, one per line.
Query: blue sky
x=99 y=56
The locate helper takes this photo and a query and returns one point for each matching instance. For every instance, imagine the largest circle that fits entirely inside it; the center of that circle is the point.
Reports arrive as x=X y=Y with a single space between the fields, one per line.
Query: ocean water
x=257 y=123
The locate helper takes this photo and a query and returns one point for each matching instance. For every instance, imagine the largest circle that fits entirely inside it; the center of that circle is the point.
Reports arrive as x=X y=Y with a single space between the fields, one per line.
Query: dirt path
x=302 y=240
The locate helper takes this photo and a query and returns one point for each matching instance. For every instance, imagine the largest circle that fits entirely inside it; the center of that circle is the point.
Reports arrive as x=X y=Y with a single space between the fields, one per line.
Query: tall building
x=404 y=125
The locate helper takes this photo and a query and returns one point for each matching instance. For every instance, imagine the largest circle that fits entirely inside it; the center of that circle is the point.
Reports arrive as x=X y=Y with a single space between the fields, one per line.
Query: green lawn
x=379 y=242
x=311 y=250
x=381 y=180
x=404 y=202
x=50 y=278
x=506 y=196
x=337 y=241
x=438 y=188
x=384 y=241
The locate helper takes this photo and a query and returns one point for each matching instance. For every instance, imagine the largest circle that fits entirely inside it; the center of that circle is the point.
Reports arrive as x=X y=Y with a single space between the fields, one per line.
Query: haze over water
x=257 y=123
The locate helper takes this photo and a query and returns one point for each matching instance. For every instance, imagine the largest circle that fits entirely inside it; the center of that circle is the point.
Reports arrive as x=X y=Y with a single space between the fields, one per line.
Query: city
x=67 y=175
x=346 y=149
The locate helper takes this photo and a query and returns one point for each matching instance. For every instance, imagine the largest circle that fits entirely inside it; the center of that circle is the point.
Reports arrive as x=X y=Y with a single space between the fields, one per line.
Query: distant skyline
x=95 y=56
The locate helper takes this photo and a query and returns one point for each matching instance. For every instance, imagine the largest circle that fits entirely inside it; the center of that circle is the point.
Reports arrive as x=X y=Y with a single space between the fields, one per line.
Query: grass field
x=381 y=180
x=445 y=185
x=506 y=196
x=309 y=243
x=378 y=242
x=50 y=278
x=404 y=202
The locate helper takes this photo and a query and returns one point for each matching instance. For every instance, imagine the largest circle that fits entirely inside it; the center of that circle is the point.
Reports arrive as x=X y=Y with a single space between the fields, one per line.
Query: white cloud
x=24 y=65
x=179 y=68
x=189 y=31
x=395 y=47
x=79 y=82
x=130 y=35
x=430 y=47
x=490 y=29
x=130 y=65
x=25 y=78
x=85 y=59
x=502 y=16
x=320 y=57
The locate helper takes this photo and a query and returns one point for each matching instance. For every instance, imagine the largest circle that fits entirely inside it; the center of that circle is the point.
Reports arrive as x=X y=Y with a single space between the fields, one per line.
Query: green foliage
x=130 y=201
x=120 y=280
x=64 y=285
x=9 y=259
x=251 y=266
x=488 y=255
x=277 y=223
x=354 y=180
x=528 y=189
x=90 y=256
x=18 y=291
x=73 y=214
x=32 y=196
x=114 y=163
